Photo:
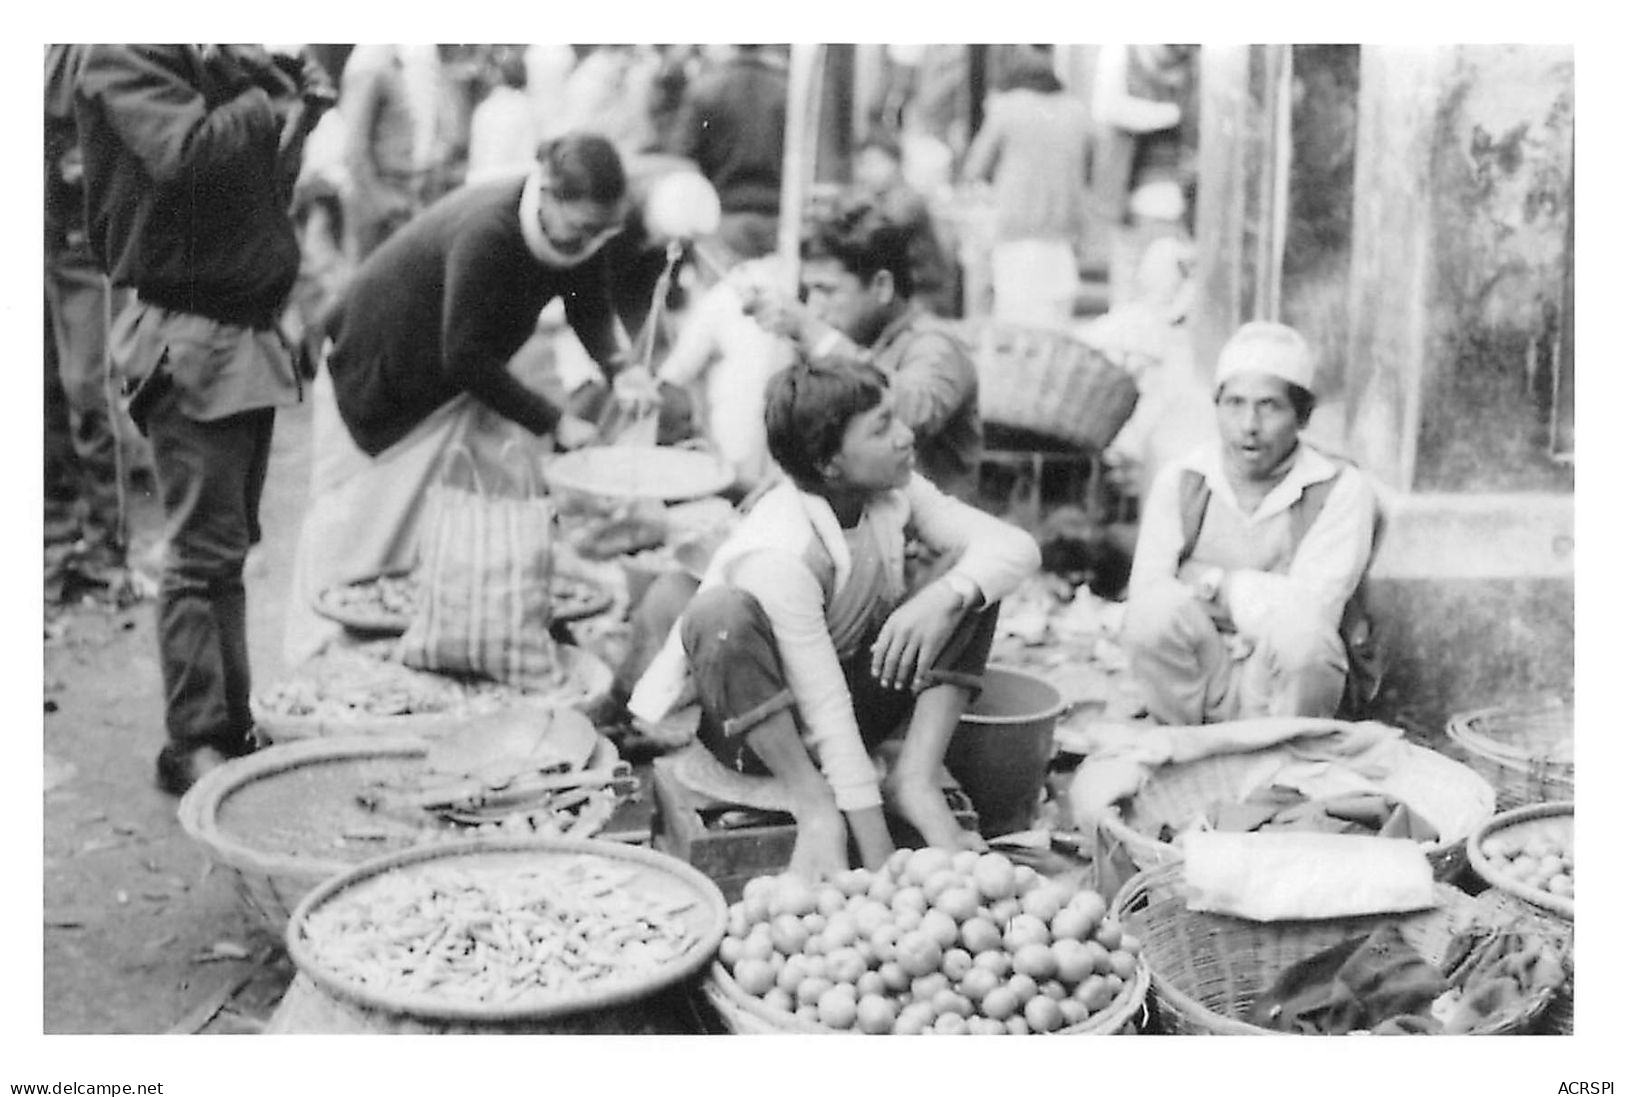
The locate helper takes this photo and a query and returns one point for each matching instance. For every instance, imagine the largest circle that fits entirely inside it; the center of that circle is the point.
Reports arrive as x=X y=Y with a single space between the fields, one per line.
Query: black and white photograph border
x=1409 y=207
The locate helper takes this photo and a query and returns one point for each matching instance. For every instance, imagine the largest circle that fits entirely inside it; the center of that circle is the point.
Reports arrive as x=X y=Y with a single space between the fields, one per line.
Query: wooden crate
x=732 y=856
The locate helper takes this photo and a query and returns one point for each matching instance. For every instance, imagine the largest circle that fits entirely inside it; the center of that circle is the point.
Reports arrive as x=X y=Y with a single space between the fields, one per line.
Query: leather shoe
x=179 y=768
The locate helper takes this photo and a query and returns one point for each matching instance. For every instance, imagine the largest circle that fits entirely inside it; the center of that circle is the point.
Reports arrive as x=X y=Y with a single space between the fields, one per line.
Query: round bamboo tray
x=746 y=1014
x=575 y=597
x=590 y=683
x=1556 y=820
x=1178 y=793
x=1207 y=969
x=271 y=883
x=705 y=920
x=1526 y=753
x=1511 y=898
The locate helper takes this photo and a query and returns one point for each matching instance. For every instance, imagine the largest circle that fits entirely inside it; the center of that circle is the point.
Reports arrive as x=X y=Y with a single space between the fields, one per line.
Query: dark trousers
x=210 y=477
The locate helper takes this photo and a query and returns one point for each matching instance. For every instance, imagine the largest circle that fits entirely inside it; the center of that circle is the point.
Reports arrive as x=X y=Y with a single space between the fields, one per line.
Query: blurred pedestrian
x=402 y=145
x=732 y=127
x=1034 y=146
x=877 y=175
x=502 y=137
x=190 y=154
x=83 y=497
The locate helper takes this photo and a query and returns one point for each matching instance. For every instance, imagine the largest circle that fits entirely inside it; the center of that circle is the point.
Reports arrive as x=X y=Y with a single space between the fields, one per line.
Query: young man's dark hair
x=807 y=408
x=864 y=241
x=584 y=167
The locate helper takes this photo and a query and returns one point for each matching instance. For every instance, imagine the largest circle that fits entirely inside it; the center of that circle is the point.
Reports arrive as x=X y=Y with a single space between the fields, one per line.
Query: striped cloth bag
x=485 y=560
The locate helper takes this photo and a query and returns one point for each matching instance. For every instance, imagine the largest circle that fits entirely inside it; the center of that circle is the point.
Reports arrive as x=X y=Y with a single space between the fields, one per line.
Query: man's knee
x=722 y=619
x=1159 y=613
x=1297 y=642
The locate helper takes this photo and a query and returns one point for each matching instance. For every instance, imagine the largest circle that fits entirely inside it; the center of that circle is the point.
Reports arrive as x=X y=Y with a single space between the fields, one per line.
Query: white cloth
x=790 y=554
x=1120 y=758
x=502 y=136
x=1273 y=877
x=728 y=358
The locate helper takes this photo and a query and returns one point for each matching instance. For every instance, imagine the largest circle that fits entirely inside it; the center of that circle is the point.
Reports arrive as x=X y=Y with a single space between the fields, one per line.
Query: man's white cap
x=1267 y=347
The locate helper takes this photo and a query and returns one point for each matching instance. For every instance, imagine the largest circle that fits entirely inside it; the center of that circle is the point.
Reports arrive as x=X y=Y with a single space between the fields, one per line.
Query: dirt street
x=139 y=935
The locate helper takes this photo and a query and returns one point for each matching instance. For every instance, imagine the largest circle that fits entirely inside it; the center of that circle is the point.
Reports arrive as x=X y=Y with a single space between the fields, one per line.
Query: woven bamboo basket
x=1514 y=899
x=745 y=1014
x=1526 y=753
x=590 y=683
x=270 y=883
x=1178 y=793
x=1207 y=969
x=1050 y=384
x=620 y=1004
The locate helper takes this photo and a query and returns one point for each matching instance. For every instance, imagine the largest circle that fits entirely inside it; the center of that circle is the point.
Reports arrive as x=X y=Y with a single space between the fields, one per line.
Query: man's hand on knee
x=914 y=635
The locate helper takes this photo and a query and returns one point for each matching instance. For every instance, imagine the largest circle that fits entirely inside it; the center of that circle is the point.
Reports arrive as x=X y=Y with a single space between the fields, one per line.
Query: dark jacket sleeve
x=590 y=308
x=484 y=324
x=164 y=118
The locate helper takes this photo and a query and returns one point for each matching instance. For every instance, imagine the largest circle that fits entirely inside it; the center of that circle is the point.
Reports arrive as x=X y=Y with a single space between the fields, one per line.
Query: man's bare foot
x=921 y=804
x=820 y=850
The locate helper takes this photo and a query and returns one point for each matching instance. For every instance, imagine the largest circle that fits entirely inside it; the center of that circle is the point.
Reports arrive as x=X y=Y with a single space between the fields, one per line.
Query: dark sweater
x=183 y=197
x=442 y=307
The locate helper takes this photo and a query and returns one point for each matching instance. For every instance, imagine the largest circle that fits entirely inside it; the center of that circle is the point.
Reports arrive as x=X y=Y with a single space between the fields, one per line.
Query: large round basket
x=589 y=683
x=1050 y=384
x=1207 y=969
x=1177 y=794
x=317 y=774
x=1525 y=752
x=1516 y=899
x=665 y=473
x=748 y=1015
x=614 y=1004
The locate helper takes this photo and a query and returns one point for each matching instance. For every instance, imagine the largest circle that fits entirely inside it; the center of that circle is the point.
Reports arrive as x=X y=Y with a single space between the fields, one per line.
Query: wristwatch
x=1209 y=583
x=964 y=587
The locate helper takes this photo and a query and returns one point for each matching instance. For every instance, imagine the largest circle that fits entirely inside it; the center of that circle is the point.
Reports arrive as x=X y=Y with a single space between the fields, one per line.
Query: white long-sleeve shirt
x=1256 y=549
x=791 y=555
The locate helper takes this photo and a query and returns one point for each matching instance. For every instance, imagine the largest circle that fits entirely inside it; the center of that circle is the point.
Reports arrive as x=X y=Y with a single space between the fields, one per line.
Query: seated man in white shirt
x=803 y=646
x=1243 y=594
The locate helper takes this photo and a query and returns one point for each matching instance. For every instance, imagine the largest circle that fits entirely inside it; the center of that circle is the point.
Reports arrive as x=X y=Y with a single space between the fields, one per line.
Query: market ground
x=139 y=935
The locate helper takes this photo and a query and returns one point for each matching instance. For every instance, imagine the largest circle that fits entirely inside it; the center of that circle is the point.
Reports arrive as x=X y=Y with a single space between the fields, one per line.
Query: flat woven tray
x=1556 y=820
x=706 y=919
x=270 y=881
x=1525 y=752
x=574 y=597
x=589 y=683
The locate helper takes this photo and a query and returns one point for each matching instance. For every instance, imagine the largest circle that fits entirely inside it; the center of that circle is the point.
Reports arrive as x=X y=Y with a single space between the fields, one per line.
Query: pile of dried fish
x=505 y=939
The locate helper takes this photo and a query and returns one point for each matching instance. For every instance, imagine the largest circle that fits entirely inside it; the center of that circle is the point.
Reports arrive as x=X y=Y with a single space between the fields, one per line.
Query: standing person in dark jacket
x=189 y=158
x=732 y=126
x=85 y=489
x=421 y=346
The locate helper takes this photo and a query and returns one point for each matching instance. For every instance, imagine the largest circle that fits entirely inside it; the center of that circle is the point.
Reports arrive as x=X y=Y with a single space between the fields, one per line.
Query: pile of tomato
x=934 y=942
